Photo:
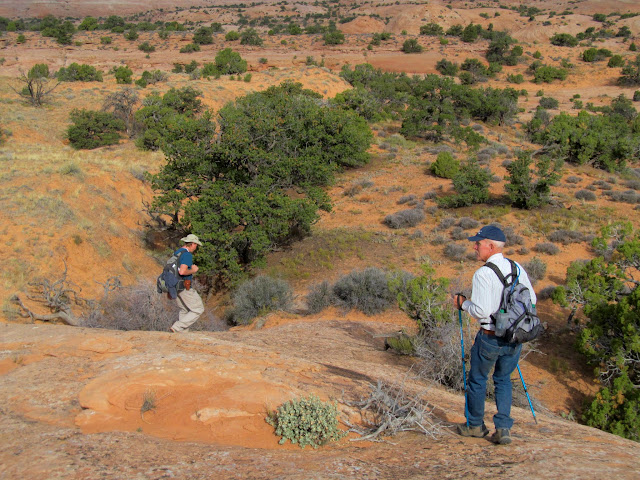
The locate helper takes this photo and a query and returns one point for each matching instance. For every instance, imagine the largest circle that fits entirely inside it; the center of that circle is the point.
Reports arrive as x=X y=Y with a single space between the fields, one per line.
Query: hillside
x=76 y=394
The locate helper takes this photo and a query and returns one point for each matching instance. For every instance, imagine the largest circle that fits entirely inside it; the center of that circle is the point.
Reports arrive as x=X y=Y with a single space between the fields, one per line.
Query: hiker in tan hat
x=190 y=303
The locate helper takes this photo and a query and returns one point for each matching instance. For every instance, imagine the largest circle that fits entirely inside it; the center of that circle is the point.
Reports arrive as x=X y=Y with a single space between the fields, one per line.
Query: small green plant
x=106 y=40
x=411 y=45
x=306 y=421
x=445 y=166
x=148 y=402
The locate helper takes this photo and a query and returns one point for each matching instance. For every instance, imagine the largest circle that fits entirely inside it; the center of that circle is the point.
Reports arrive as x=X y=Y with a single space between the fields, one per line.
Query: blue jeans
x=486 y=352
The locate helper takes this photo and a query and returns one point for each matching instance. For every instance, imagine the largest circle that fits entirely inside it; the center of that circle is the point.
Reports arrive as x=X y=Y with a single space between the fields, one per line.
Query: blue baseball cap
x=490 y=232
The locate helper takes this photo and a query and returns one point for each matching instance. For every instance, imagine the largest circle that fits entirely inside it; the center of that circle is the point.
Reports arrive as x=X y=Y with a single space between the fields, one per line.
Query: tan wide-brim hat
x=191 y=238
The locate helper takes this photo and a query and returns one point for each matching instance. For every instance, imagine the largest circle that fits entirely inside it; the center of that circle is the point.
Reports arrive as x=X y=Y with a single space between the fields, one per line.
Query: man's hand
x=458 y=300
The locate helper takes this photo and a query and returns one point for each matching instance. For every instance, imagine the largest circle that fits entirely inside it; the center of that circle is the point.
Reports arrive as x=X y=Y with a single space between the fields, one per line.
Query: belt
x=488 y=332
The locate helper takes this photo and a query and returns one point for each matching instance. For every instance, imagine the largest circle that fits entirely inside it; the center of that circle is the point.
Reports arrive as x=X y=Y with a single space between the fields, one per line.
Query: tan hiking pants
x=191 y=307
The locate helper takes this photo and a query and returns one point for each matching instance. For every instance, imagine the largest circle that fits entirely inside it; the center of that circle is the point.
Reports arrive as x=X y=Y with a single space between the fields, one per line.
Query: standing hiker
x=190 y=303
x=488 y=349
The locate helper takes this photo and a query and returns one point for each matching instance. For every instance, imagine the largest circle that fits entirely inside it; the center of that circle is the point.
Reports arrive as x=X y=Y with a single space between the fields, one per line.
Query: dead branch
x=391 y=410
x=57 y=296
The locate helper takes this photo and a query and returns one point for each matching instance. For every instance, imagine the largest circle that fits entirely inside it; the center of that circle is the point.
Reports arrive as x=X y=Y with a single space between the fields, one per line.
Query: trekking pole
x=527 y=393
x=464 y=370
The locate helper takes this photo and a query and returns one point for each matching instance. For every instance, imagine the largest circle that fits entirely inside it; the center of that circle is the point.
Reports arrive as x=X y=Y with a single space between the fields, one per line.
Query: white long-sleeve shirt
x=486 y=290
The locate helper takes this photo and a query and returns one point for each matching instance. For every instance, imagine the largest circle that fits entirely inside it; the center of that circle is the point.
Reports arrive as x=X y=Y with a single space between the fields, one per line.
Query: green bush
x=446 y=67
x=92 y=129
x=548 y=103
x=306 y=421
x=234 y=180
x=526 y=189
x=79 y=73
x=564 y=40
x=203 y=36
x=595 y=54
x=190 y=48
x=146 y=47
x=333 y=37
x=424 y=299
x=105 y=40
x=365 y=290
x=258 y=297
x=630 y=73
x=411 y=45
x=123 y=74
x=131 y=35
x=404 y=218
x=547 y=74
x=432 y=29
x=615 y=61
x=536 y=269
x=232 y=36
x=250 y=37
x=515 y=78
x=229 y=62
x=445 y=166
x=609 y=340
x=471 y=184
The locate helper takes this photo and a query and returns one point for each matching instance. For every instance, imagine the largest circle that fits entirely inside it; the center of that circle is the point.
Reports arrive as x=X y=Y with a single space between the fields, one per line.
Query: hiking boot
x=469 y=431
x=502 y=436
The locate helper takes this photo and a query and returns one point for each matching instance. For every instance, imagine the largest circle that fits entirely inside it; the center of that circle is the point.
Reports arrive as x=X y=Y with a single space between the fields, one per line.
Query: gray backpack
x=516 y=321
x=169 y=280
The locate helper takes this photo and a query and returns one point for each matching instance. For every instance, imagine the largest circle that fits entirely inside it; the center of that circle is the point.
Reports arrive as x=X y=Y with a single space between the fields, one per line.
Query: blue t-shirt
x=185 y=259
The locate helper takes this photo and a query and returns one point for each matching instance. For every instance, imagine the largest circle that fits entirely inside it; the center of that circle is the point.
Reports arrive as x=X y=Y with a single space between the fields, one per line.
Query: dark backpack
x=516 y=320
x=169 y=280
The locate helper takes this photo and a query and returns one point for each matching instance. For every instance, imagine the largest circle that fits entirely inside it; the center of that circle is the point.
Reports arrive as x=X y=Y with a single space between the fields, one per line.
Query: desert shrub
x=547 y=74
x=573 y=179
x=515 y=78
x=250 y=37
x=609 y=338
x=333 y=37
x=467 y=223
x=454 y=251
x=138 y=307
x=404 y=218
x=615 y=61
x=566 y=237
x=306 y=421
x=106 y=40
x=548 y=102
x=259 y=296
x=447 y=222
x=203 y=36
x=445 y=166
x=630 y=74
x=190 y=48
x=471 y=184
x=564 y=40
x=319 y=297
x=527 y=189
x=439 y=352
x=411 y=45
x=628 y=196
x=79 y=73
x=406 y=199
x=365 y=290
x=536 y=269
x=500 y=50
x=546 y=247
x=447 y=67
x=605 y=141
x=146 y=47
x=585 y=195
x=457 y=233
x=232 y=36
x=229 y=62
x=93 y=129
x=432 y=29
x=595 y=54
x=123 y=74
x=151 y=78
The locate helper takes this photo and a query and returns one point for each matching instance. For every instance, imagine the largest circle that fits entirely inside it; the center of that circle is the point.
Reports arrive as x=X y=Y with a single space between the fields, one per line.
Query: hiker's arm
x=184 y=270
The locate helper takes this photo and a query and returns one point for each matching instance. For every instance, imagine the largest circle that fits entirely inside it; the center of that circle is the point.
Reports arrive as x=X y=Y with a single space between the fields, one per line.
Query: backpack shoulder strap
x=497 y=271
x=510 y=278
